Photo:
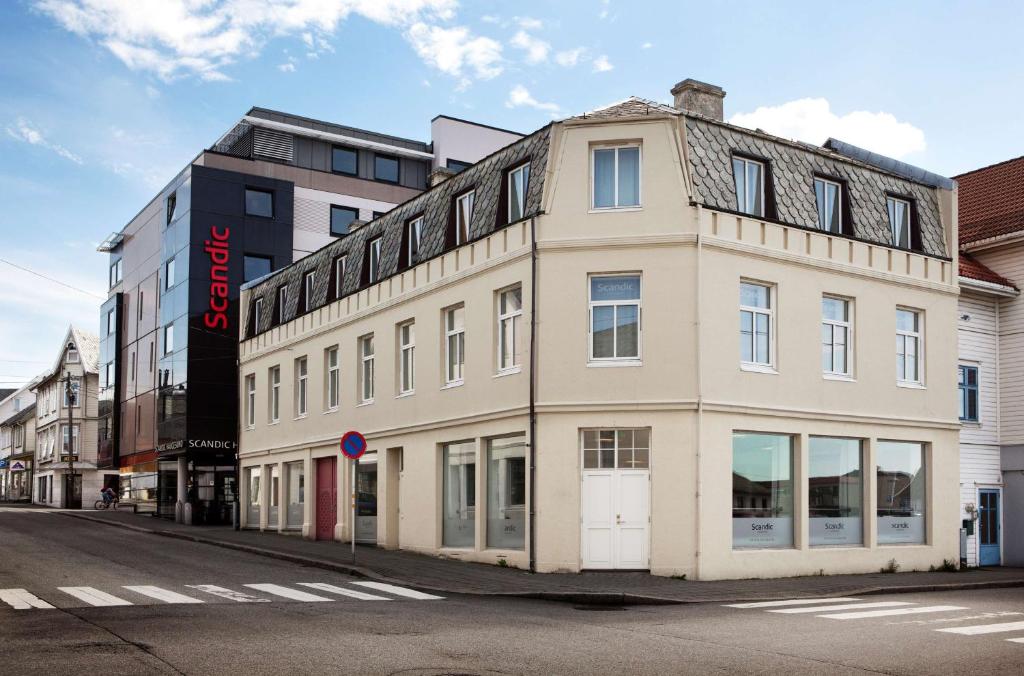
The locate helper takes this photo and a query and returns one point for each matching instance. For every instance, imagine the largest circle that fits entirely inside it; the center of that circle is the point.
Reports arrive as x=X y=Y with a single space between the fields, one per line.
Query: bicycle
x=103 y=504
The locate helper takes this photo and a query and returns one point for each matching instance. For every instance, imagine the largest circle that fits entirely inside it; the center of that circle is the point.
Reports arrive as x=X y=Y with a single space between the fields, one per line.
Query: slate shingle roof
x=991 y=201
x=485 y=177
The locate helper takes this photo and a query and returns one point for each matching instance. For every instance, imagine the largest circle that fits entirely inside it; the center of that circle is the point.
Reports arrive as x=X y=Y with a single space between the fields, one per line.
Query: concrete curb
x=574 y=597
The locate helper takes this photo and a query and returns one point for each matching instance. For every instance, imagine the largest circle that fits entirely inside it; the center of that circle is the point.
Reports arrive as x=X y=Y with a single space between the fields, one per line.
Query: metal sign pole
x=355 y=463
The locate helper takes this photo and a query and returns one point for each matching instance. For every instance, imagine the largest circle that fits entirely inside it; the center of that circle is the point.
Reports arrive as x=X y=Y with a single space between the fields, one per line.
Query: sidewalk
x=458 y=577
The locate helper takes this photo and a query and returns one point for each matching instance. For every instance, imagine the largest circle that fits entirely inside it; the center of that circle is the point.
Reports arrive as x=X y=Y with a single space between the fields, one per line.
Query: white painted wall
x=312 y=217
x=465 y=141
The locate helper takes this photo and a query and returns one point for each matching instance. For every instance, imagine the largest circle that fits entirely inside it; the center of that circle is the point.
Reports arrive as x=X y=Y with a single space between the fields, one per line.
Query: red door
x=326 y=497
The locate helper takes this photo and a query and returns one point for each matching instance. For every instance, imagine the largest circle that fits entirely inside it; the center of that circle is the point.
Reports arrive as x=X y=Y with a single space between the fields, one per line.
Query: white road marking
x=398 y=591
x=362 y=596
x=294 y=594
x=789 y=602
x=23 y=510
x=985 y=629
x=95 y=597
x=161 y=594
x=229 y=594
x=896 y=611
x=843 y=606
x=20 y=599
x=1015 y=640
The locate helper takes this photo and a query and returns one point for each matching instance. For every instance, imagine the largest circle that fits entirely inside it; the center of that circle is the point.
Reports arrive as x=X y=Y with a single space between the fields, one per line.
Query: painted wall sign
x=18 y=466
x=217 y=249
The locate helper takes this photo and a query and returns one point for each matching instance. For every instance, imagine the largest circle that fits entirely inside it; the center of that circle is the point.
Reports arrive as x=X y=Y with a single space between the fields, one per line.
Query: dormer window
x=72 y=355
x=373 y=259
x=463 y=216
x=340 y=263
x=900 y=222
x=257 y=314
x=518 y=181
x=414 y=229
x=749 y=177
x=282 y=300
x=307 y=290
x=616 y=175
x=829 y=197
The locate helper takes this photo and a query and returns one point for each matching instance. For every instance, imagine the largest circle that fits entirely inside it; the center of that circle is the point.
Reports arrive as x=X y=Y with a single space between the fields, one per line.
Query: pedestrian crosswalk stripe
x=352 y=593
x=95 y=597
x=27 y=510
x=229 y=594
x=161 y=594
x=294 y=594
x=788 y=602
x=1015 y=640
x=398 y=591
x=842 y=606
x=985 y=629
x=894 y=611
x=21 y=599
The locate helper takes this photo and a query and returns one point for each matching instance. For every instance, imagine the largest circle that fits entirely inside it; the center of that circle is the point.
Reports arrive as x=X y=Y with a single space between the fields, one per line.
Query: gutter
x=988 y=287
x=533 y=394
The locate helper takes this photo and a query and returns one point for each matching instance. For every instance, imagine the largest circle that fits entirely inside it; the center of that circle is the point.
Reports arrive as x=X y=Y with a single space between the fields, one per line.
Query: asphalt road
x=186 y=617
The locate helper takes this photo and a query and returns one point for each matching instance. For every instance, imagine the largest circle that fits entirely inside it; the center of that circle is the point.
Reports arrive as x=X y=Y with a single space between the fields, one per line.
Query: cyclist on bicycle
x=108 y=496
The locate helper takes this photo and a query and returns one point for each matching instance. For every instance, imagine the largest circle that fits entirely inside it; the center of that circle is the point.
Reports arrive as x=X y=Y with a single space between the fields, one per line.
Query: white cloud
x=569 y=57
x=490 y=18
x=23 y=131
x=450 y=50
x=812 y=120
x=602 y=64
x=520 y=96
x=603 y=14
x=529 y=23
x=535 y=48
x=152 y=92
x=647 y=45
x=286 y=67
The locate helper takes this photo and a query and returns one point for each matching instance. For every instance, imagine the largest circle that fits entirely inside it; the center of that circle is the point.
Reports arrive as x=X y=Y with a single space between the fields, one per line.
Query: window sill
x=971 y=424
x=759 y=368
x=508 y=372
x=274 y=422
x=452 y=385
x=368 y=402
x=301 y=417
x=614 y=363
x=403 y=395
x=911 y=386
x=613 y=210
x=250 y=428
x=838 y=377
x=331 y=410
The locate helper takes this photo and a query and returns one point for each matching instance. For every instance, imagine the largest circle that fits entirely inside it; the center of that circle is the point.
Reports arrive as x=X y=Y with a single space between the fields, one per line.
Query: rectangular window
x=282 y=303
x=115 y=272
x=457 y=165
x=616 y=176
x=506 y=493
x=463 y=217
x=345 y=161
x=275 y=394
x=333 y=378
x=274 y=496
x=836 y=334
x=762 y=490
x=454 y=344
x=749 y=178
x=69 y=437
x=407 y=358
x=459 y=512
x=169 y=339
x=366 y=369
x=255 y=267
x=374 y=261
x=259 y=203
x=967 y=385
x=510 y=319
x=142 y=303
x=308 y=282
x=340 y=264
x=250 y=401
x=296 y=500
x=835 y=491
x=415 y=228
x=301 y=387
x=70 y=394
x=111 y=322
x=385 y=168
x=899 y=221
x=615 y=317
x=901 y=492
x=829 y=198
x=168 y=276
x=617 y=448
x=341 y=219
x=756 y=319
x=257 y=314
x=518 y=182
x=908 y=346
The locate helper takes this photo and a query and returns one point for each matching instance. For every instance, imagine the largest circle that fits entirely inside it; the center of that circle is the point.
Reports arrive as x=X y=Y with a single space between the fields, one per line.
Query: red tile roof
x=972 y=269
x=991 y=201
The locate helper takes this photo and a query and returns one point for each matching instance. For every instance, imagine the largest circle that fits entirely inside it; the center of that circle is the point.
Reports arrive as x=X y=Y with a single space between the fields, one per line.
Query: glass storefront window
x=296 y=494
x=762 y=490
x=459 y=510
x=506 y=493
x=835 y=491
x=253 y=507
x=274 y=495
x=901 y=492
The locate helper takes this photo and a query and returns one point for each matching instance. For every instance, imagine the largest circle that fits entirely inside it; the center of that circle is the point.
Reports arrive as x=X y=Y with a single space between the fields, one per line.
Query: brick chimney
x=699 y=97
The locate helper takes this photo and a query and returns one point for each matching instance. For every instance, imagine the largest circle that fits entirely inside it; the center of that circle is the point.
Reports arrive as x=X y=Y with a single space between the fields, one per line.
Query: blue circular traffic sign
x=353 y=445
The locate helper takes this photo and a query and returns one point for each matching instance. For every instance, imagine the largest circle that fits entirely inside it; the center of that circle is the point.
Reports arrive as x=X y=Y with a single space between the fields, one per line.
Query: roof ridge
x=990 y=166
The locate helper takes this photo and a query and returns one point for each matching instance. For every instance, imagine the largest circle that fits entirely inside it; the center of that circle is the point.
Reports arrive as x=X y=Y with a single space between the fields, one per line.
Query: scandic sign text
x=217 y=249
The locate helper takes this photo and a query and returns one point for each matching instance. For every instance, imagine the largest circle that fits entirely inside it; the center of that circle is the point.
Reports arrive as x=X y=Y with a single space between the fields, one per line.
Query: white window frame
x=755 y=311
x=168 y=274
x=74 y=440
x=591 y=304
x=257 y=310
x=301 y=387
x=340 y=264
x=823 y=208
x=374 y=262
x=116 y=269
x=366 y=369
x=308 y=284
x=250 y=401
x=509 y=319
x=333 y=373
x=407 y=358
x=639 y=181
x=415 y=231
x=168 y=338
x=889 y=199
x=76 y=387
x=846 y=326
x=525 y=167
x=282 y=302
x=457 y=367
x=460 y=237
x=746 y=196
x=274 y=407
x=918 y=337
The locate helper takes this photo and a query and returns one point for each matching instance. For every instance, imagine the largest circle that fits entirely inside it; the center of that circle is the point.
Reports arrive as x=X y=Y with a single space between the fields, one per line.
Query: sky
x=102 y=102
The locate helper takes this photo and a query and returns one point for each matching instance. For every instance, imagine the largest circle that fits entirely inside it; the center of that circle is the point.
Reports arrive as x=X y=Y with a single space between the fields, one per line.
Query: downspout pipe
x=533 y=394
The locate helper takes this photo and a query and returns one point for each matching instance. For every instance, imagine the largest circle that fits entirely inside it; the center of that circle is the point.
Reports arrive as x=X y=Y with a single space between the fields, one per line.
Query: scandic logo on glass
x=217 y=249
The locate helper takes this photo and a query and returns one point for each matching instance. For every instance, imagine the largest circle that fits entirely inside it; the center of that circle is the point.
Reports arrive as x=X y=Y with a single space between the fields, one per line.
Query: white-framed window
x=69 y=436
x=375 y=245
x=72 y=356
x=756 y=324
x=257 y=310
x=616 y=177
x=250 y=400
x=749 y=177
x=168 y=338
x=340 y=264
x=115 y=272
x=614 y=317
x=463 y=216
x=301 y=387
x=407 y=358
x=518 y=182
x=275 y=393
x=829 y=198
x=510 y=319
x=909 y=346
x=366 y=369
x=333 y=377
x=73 y=391
x=307 y=288
x=111 y=322
x=899 y=221
x=282 y=302
x=415 y=228
x=168 y=274
x=836 y=336
x=454 y=344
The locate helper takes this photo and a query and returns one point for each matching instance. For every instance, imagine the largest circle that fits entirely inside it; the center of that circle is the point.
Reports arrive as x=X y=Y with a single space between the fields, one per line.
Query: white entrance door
x=616 y=519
